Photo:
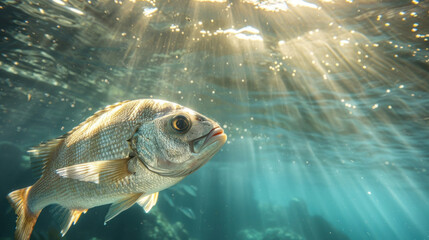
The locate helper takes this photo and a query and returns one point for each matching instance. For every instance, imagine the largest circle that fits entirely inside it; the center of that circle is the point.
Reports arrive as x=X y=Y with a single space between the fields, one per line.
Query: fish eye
x=181 y=124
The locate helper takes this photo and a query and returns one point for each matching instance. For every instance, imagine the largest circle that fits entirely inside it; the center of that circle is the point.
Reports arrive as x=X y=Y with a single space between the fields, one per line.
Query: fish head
x=177 y=143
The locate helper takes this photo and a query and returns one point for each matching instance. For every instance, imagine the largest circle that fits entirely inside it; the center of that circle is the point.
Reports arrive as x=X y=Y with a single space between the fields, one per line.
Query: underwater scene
x=325 y=104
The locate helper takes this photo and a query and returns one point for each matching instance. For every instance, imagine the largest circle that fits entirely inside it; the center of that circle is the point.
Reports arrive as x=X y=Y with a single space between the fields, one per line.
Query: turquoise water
x=325 y=103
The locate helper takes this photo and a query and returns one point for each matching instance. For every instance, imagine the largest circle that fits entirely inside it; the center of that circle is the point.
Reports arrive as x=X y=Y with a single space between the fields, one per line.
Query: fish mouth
x=200 y=143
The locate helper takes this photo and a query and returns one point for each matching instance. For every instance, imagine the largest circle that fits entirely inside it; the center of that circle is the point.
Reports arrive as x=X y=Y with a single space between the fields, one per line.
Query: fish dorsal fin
x=70 y=217
x=98 y=171
x=43 y=153
x=120 y=206
x=148 y=201
x=97 y=114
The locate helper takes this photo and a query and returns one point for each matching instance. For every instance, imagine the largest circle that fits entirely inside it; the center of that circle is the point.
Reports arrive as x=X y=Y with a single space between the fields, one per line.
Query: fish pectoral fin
x=107 y=170
x=148 y=201
x=70 y=217
x=120 y=206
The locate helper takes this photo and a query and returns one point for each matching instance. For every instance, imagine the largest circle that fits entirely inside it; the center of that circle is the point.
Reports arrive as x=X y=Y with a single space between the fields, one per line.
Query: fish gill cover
x=325 y=104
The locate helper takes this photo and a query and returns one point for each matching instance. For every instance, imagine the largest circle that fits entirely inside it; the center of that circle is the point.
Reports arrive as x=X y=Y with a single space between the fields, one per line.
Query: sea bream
x=122 y=155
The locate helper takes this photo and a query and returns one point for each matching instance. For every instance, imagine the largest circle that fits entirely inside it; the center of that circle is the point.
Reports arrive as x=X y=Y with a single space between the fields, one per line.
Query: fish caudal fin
x=26 y=219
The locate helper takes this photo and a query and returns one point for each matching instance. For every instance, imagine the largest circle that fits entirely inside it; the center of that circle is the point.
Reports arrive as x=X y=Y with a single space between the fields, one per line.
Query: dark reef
x=291 y=223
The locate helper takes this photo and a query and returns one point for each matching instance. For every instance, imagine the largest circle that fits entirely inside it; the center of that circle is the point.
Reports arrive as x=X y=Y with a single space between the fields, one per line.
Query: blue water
x=325 y=103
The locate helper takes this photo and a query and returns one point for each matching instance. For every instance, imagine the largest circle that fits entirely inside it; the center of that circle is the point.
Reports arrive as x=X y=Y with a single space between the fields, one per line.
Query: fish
x=124 y=154
x=188 y=212
x=190 y=189
x=169 y=200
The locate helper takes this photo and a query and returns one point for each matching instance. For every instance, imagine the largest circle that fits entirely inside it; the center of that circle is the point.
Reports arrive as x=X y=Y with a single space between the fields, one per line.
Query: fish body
x=122 y=155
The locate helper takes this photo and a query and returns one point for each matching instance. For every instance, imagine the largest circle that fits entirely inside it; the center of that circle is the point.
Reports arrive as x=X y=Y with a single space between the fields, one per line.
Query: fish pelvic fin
x=70 y=217
x=98 y=171
x=25 y=218
x=120 y=206
x=148 y=201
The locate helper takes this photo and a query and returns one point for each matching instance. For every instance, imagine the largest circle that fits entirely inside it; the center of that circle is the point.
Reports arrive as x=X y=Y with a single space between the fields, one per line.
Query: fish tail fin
x=26 y=219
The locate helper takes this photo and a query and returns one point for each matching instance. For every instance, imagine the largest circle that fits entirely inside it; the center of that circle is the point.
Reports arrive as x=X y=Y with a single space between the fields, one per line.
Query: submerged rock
x=291 y=222
x=249 y=234
x=311 y=227
x=281 y=234
x=269 y=234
